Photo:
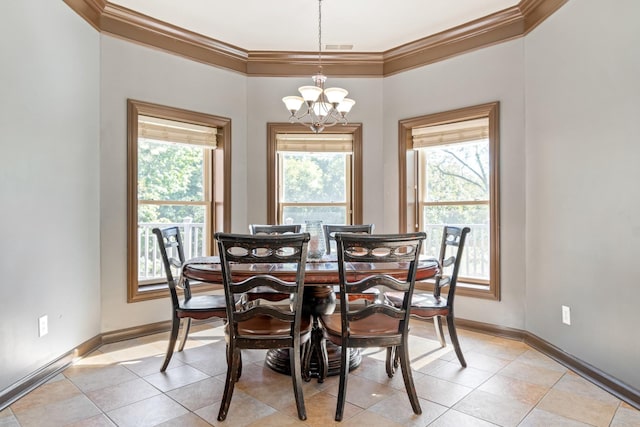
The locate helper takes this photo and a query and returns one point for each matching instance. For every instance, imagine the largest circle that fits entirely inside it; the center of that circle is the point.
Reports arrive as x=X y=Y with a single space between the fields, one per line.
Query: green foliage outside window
x=169 y=172
x=314 y=177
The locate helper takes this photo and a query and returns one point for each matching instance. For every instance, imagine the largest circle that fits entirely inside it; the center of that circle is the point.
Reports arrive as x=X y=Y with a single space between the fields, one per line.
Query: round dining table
x=321 y=284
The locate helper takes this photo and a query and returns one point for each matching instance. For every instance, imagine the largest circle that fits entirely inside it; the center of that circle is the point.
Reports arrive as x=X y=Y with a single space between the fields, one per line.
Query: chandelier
x=319 y=107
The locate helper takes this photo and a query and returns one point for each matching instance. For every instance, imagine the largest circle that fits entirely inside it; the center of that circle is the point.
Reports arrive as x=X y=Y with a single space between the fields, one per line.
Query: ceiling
x=292 y=25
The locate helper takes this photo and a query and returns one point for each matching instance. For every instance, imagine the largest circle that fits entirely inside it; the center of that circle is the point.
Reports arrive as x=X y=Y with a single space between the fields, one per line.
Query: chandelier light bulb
x=345 y=106
x=293 y=103
x=322 y=109
x=310 y=93
x=335 y=95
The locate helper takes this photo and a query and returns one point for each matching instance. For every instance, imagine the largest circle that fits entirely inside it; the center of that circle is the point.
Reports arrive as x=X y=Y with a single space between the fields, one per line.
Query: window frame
x=408 y=184
x=219 y=186
x=273 y=129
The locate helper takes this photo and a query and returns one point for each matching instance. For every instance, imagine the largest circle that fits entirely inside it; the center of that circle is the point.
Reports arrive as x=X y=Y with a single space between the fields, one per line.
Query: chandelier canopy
x=319 y=107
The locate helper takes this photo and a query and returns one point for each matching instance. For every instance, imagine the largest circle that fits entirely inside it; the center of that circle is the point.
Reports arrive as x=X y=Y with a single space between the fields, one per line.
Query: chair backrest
x=170 y=244
x=246 y=261
x=274 y=229
x=331 y=229
x=453 y=240
x=369 y=257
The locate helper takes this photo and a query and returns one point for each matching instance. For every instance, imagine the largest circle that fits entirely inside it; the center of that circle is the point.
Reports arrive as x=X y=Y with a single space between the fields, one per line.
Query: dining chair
x=271 y=229
x=278 y=321
x=434 y=305
x=361 y=266
x=190 y=306
x=331 y=229
x=274 y=229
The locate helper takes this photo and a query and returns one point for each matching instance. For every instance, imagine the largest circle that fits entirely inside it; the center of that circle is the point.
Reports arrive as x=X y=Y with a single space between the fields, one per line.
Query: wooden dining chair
x=331 y=229
x=277 y=322
x=373 y=324
x=274 y=229
x=435 y=305
x=190 y=306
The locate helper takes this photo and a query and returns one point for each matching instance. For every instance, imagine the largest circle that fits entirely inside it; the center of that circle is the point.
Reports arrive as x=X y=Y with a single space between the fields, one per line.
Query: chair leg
x=323 y=363
x=233 y=355
x=305 y=361
x=344 y=373
x=454 y=340
x=390 y=364
x=437 y=324
x=185 y=332
x=296 y=378
x=408 y=377
x=239 y=373
x=175 y=326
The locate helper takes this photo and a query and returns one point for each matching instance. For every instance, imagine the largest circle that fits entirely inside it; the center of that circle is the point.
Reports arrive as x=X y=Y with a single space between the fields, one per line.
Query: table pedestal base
x=317 y=300
x=278 y=360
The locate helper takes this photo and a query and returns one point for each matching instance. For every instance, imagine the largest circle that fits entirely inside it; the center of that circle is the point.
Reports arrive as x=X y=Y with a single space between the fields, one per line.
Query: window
x=314 y=176
x=449 y=176
x=176 y=176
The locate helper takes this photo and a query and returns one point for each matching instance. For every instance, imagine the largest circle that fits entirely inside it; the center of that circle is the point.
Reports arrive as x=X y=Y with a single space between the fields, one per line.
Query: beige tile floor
x=506 y=383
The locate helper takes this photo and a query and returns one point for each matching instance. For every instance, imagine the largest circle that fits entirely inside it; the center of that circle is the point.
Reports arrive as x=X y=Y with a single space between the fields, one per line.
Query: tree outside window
x=449 y=176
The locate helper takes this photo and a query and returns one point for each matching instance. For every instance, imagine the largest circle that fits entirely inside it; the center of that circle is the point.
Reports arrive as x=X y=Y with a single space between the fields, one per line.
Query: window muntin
x=176 y=176
x=449 y=175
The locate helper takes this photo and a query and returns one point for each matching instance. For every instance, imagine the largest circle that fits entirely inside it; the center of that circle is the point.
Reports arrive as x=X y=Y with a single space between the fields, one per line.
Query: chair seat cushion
x=376 y=324
x=267 y=325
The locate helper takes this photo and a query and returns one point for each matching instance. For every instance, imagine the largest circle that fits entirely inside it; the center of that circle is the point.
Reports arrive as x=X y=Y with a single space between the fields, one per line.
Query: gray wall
x=132 y=71
x=487 y=75
x=49 y=184
x=569 y=200
x=583 y=226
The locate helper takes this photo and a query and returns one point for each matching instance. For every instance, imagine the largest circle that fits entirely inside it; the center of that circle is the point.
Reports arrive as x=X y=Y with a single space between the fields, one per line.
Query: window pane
x=190 y=219
x=313 y=177
x=476 y=255
x=327 y=214
x=169 y=171
x=456 y=172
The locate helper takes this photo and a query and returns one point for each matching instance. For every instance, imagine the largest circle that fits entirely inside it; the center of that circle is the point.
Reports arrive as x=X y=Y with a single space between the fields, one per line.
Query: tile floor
x=506 y=383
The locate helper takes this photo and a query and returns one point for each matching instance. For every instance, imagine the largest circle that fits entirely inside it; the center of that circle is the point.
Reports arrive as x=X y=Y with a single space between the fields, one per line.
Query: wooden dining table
x=321 y=280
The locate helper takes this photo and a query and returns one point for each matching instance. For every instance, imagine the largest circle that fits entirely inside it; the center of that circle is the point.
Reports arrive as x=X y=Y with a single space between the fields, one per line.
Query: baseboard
x=613 y=385
x=44 y=374
x=135 y=332
x=621 y=390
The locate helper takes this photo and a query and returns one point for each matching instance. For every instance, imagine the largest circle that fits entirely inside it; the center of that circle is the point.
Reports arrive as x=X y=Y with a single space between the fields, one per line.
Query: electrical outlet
x=566 y=315
x=43 y=326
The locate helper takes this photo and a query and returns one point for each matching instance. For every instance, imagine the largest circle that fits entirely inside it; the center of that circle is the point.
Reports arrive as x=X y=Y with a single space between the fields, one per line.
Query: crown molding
x=508 y=24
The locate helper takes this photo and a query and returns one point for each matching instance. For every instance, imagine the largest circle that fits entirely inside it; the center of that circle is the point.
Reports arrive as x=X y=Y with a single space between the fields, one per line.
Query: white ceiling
x=292 y=25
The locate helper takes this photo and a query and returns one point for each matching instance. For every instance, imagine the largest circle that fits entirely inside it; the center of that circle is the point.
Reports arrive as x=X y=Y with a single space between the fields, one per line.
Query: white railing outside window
x=475 y=256
x=150 y=267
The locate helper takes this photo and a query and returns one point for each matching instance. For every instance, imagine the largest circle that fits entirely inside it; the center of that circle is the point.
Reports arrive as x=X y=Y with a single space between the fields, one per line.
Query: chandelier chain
x=320 y=35
x=319 y=107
